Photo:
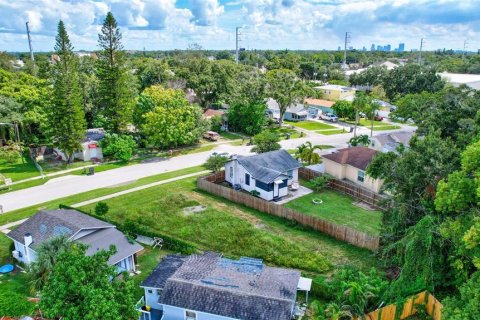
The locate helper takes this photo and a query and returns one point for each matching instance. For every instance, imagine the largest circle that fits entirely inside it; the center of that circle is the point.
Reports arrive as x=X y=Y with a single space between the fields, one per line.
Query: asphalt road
x=70 y=185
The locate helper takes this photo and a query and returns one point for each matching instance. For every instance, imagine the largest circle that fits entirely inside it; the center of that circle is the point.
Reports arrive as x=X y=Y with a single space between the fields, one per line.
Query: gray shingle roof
x=242 y=289
x=266 y=167
x=104 y=238
x=47 y=224
x=96 y=134
x=163 y=271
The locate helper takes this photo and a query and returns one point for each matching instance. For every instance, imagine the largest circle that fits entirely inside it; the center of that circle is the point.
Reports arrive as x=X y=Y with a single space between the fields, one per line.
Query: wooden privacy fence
x=343 y=233
x=346 y=187
x=390 y=312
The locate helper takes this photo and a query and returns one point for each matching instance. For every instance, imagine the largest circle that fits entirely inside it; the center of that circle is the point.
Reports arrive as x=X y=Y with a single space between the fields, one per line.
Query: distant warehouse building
x=457 y=79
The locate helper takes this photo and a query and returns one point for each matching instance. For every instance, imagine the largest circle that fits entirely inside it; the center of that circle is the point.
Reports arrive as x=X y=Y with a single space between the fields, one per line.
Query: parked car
x=211 y=135
x=378 y=118
x=329 y=117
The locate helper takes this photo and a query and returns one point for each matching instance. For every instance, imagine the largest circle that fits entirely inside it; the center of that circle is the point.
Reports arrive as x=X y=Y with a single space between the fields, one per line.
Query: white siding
x=151 y=298
x=174 y=313
x=28 y=255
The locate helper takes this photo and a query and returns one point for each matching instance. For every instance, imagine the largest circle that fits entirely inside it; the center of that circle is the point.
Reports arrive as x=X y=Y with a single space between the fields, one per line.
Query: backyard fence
x=349 y=188
x=390 y=312
x=211 y=184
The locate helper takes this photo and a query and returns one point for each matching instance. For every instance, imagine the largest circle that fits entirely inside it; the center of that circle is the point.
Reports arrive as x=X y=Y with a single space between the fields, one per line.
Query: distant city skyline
x=266 y=24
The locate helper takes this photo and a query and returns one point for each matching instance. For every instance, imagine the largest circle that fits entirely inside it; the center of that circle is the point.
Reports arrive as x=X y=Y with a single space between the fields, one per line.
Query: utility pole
x=237 y=40
x=347 y=41
x=465 y=44
x=30 y=43
x=420 y=52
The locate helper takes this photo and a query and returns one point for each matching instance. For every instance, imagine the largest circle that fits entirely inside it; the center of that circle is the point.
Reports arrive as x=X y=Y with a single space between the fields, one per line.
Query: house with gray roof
x=269 y=173
x=76 y=226
x=209 y=286
x=389 y=142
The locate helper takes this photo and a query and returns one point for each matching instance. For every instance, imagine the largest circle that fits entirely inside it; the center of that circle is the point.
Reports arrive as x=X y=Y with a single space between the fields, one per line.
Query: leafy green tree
x=284 y=87
x=344 y=109
x=101 y=208
x=152 y=72
x=173 y=121
x=119 y=147
x=359 y=104
x=466 y=305
x=67 y=119
x=372 y=76
x=306 y=153
x=361 y=140
x=266 y=141
x=89 y=86
x=86 y=287
x=247 y=118
x=116 y=87
x=10 y=112
x=11 y=152
x=216 y=162
x=47 y=255
x=370 y=111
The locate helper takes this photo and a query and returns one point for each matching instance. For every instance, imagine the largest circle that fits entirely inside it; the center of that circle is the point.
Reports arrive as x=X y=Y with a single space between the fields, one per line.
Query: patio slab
x=292 y=195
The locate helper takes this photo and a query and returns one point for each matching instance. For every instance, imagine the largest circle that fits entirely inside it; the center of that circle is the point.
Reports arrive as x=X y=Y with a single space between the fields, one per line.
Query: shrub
x=216 y=162
x=119 y=147
x=266 y=141
x=320 y=183
x=255 y=193
x=101 y=208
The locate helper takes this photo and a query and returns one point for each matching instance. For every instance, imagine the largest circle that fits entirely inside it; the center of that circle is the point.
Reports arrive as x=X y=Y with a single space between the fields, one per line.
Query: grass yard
x=230 y=135
x=13 y=286
x=282 y=132
x=386 y=127
x=331 y=132
x=233 y=229
x=311 y=125
x=339 y=208
x=147 y=260
x=19 y=170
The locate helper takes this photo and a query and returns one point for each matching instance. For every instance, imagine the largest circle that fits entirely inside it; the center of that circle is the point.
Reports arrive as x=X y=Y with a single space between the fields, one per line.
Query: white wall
x=151 y=298
x=174 y=313
x=28 y=255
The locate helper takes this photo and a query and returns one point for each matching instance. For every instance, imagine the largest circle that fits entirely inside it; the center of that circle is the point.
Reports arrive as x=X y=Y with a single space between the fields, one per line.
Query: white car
x=329 y=117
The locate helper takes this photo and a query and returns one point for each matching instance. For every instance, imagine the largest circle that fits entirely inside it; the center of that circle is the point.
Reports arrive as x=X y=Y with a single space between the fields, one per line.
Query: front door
x=276 y=190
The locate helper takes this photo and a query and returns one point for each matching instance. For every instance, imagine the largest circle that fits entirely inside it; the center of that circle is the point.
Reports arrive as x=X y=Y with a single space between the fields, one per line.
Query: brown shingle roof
x=319 y=102
x=358 y=157
x=212 y=112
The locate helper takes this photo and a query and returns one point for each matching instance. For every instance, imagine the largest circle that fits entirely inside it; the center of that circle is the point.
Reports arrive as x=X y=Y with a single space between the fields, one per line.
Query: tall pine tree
x=117 y=88
x=67 y=118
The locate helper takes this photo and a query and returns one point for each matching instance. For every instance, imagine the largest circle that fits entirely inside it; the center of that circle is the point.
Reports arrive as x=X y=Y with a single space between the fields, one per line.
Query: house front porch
x=294 y=194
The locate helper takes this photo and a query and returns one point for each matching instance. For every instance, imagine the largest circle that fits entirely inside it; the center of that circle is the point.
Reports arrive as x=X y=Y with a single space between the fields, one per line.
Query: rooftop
x=358 y=157
x=319 y=102
x=95 y=134
x=266 y=167
x=335 y=87
x=47 y=224
x=241 y=289
x=212 y=112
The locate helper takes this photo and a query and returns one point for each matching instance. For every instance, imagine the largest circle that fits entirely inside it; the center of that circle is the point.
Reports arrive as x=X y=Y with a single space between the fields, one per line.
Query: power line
x=465 y=45
x=30 y=43
x=237 y=40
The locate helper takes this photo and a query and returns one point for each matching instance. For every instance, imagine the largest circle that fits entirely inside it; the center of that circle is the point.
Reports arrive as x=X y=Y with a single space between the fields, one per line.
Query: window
x=247 y=179
x=284 y=184
x=264 y=186
x=231 y=172
x=361 y=175
x=190 y=315
x=290 y=173
x=150 y=291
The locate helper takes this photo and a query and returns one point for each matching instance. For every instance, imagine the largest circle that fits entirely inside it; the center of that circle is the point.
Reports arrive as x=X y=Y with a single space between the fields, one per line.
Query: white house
x=91 y=149
x=78 y=227
x=270 y=173
x=210 y=287
x=389 y=142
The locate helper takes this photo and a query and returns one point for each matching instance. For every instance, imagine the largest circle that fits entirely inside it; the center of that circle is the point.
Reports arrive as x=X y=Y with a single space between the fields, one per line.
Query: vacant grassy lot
x=386 y=127
x=339 y=208
x=330 y=132
x=18 y=170
x=233 y=229
x=312 y=125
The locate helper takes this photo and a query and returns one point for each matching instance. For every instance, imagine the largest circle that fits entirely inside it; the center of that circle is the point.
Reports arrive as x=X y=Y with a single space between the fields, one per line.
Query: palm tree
x=373 y=106
x=360 y=103
x=47 y=254
x=306 y=153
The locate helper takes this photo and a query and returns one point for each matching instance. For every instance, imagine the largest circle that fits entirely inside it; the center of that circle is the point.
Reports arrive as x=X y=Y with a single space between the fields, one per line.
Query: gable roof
x=212 y=112
x=241 y=289
x=266 y=167
x=95 y=134
x=358 y=157
x=319 y=102
x=47 y=224
x=395 y=138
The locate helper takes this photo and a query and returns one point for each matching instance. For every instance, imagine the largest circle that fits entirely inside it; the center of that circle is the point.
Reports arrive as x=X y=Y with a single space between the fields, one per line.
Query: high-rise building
x=339 y=48
x=379 y=48
x=387 y=48
x=401 y=47
x=372 y=48
x=364 y=49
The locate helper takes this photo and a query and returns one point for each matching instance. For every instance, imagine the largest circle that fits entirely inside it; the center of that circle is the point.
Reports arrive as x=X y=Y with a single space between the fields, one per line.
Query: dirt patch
x=193 y=210
x=364 y=205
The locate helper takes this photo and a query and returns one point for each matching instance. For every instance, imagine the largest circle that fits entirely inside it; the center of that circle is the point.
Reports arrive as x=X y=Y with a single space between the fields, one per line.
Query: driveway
x=61 y=188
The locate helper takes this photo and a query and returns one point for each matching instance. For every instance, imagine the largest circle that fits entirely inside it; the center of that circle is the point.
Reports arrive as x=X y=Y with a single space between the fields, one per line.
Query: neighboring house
x=78 y=227
x=209 y=113
x=387 y=142
x=91 y=149
x=350 y=164
x=273 y=109
x=295 y=113
x=334 y=92
x=268 y=173
x=315 y=107
x=457 y=79
x=207 y=286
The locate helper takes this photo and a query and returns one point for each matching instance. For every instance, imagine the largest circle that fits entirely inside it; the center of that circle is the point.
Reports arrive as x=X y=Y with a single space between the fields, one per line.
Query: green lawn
x=26 y=212
x=147 y=260
x=330 y=132
x=233 y=229
x=13 y=286
x=19 y=170
x=230 y=135
x=365 y=122
x=339 y=208
x=386 y=127
x=283 y=131
x=311 y=125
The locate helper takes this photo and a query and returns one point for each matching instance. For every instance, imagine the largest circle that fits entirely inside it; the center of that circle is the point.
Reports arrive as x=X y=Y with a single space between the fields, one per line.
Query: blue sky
x=267 y=24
